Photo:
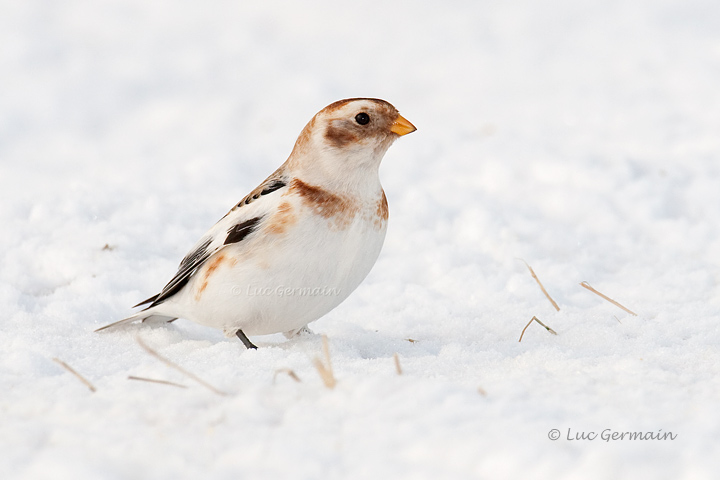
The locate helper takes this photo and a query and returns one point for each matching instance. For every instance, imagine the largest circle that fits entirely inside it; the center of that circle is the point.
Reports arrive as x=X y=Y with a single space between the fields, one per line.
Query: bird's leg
x=246 y=341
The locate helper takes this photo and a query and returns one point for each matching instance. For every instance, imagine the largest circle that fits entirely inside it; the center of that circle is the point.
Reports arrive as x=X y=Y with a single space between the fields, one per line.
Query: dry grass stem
x=482 y=391
x=538 y=321
x=587 y=285
x=411 y=340
x=177 y=367
x=546 y=327
x=290 y=373
x=152 y=380
x=324 y=368
x=532 y=272
x=76 y=374
x=398 y=368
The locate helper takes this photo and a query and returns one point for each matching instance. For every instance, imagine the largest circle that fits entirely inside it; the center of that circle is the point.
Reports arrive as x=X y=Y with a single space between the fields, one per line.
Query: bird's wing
x=242 y=220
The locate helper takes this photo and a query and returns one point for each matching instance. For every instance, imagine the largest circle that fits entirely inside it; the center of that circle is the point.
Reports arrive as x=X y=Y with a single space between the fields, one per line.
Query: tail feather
x=143 y=317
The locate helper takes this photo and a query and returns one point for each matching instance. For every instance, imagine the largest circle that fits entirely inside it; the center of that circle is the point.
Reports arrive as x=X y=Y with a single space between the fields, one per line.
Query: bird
x=301 y=242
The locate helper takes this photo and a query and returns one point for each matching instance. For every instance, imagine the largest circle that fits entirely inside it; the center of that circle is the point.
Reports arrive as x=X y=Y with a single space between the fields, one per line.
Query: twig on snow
x=77 y=375
x=152 y=380
x=290 y=373
x=177 y=367
x=541 y=323
x=587 y=285
x=532 y=272
x=324 y=368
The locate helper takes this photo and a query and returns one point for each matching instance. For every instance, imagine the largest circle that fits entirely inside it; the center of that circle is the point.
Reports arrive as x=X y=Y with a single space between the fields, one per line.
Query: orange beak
x=401 y=126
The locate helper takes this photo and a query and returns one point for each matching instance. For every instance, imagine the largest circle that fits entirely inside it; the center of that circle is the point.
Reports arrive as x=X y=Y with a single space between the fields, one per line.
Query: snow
x=580 y=137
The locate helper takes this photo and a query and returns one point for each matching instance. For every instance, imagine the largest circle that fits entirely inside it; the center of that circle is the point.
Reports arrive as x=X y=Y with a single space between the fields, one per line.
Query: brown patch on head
x=344 y=130
x=339 y=136
x=211 y=268
x=303 y=140
x=324 y=203
x=282 y=219
x=382 y=211
x=341 y=103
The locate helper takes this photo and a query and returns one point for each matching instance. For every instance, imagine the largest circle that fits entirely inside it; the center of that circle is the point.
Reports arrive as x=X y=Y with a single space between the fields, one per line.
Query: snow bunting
x=296 y=246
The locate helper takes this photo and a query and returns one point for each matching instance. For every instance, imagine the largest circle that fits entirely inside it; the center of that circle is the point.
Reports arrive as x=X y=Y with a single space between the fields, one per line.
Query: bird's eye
x=362 y=118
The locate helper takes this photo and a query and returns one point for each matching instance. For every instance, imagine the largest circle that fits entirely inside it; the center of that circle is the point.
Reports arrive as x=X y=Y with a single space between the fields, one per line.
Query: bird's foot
x=299 y=332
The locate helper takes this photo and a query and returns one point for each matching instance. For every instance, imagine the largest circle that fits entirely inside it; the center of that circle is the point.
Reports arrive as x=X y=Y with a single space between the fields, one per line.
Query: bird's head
x=347 y=139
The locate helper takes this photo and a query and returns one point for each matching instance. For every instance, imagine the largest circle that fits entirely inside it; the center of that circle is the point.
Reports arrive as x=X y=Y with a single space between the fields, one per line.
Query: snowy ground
x=582 y=137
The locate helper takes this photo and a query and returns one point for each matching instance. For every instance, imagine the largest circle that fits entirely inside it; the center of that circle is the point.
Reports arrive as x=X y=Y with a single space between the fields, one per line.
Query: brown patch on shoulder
x=281 y=220
x=211 y=268
x=339 y=137
x=324 y=203
x=382 y=207
x=382 y=211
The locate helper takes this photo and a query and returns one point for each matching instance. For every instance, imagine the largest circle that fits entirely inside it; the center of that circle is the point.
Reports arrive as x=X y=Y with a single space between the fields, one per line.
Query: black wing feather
x=188 y=266
x=268 y=187
x=149 y=300
x=197 y=257
x=237 y=232
x=272 y=186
